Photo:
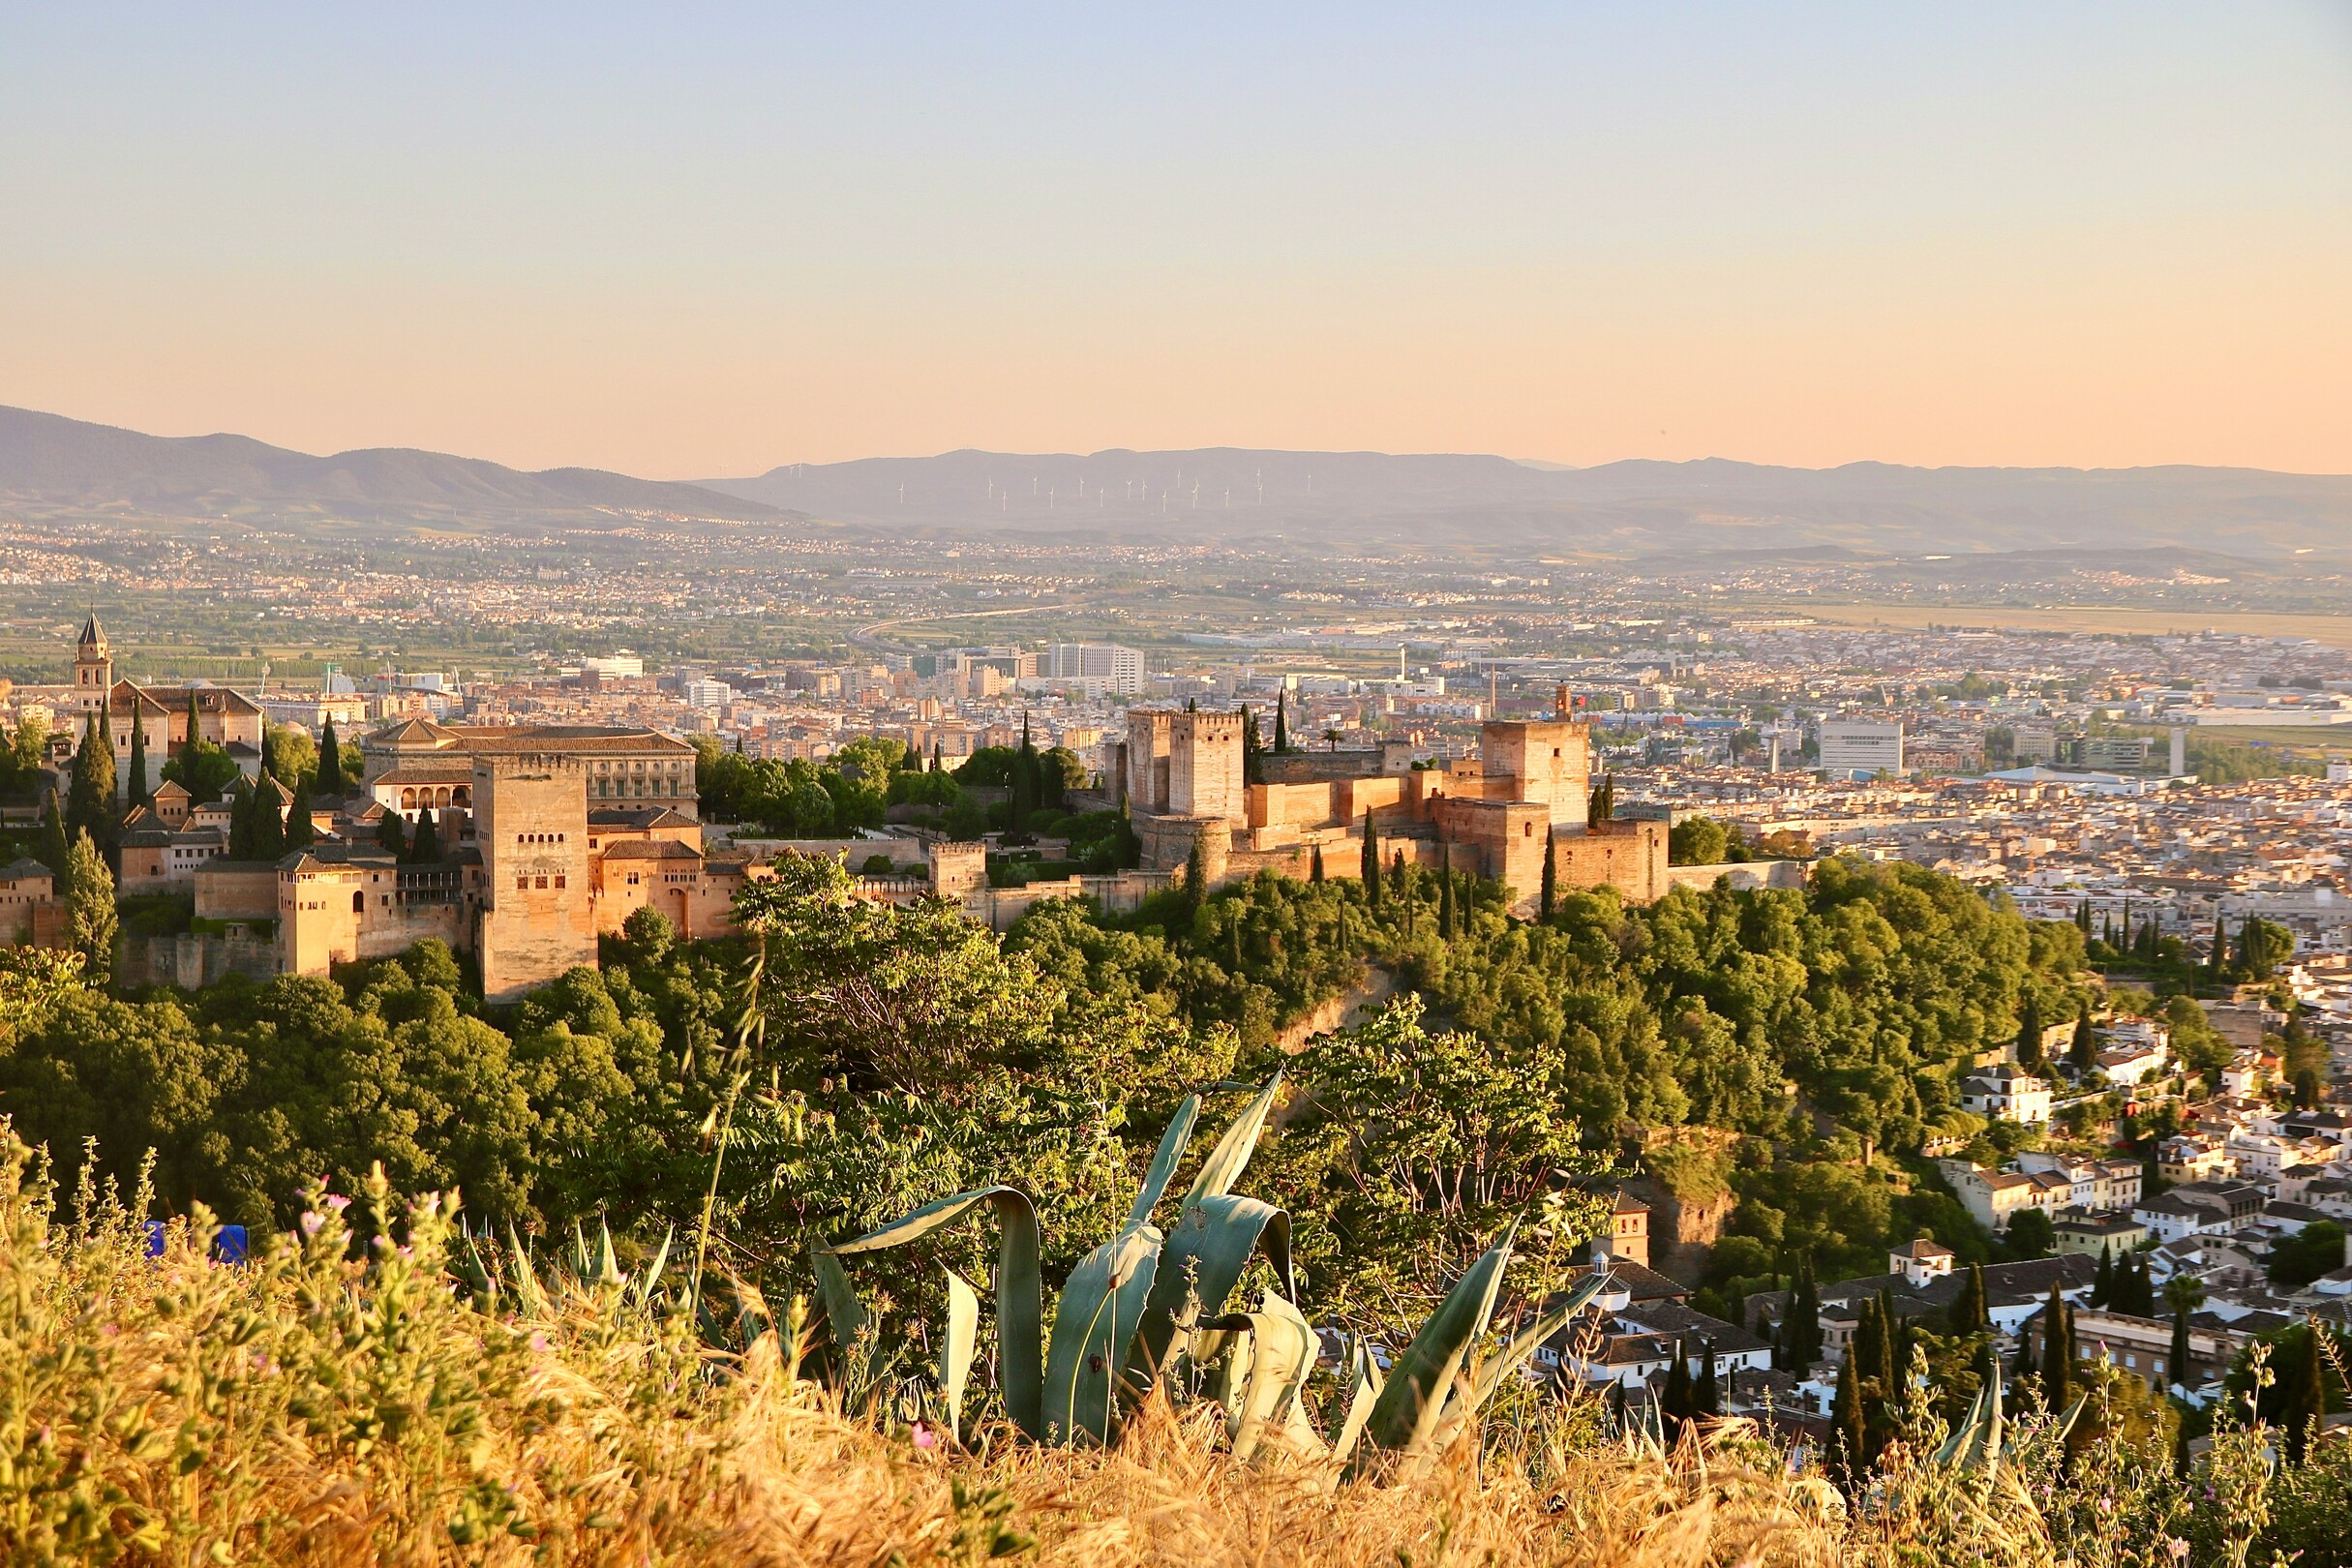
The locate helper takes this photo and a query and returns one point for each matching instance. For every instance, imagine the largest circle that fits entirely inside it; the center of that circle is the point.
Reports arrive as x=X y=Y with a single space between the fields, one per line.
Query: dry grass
x=309 y=1410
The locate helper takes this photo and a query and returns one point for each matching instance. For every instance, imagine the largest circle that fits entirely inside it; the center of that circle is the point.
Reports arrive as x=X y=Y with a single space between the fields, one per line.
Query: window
x=522 y=884
x=559 y=879
x=538 y=881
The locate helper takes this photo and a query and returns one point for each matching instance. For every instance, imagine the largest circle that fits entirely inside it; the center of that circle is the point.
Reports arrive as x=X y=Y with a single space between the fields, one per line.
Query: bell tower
x=93 y=667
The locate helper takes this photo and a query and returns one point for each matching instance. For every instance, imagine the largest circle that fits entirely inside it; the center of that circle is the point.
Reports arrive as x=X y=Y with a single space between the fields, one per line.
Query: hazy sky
x=690 y=241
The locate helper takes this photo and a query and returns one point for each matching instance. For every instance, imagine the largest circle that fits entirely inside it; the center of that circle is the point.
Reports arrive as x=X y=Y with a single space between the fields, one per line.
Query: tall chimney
x=2179 y=752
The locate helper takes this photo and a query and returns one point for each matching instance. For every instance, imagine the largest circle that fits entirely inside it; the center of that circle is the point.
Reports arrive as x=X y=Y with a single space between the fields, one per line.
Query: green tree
x=2030 y=1233
x=287 y=753
x=2083 y=1051
x=392 y=832
x=90 y=918
x=300 y=830
x=1282 y=723
x=1697 y=841
x=425 y=848
x=140 y=793
x=330 y=768
x=56 y=850
x=1370 y=872
x=90 y=793
x=1549 y=895
x=2316 y=1249
x=2057 y=1350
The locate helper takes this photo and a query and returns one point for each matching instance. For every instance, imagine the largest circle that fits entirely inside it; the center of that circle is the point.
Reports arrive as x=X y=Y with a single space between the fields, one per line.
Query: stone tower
x=93 y=668
x=531 y=825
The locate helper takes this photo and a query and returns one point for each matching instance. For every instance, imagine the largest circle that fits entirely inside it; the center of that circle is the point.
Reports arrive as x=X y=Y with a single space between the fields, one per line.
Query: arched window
x=407 y=799
x=359 y=903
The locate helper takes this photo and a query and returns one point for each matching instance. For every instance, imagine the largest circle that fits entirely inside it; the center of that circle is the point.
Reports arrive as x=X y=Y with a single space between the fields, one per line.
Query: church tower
x=93 y=667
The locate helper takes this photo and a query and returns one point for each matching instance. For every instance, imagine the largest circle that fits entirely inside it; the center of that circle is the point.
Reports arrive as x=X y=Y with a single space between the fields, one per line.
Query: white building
x=1861 y=749
x=1116 y=669
x=2006 y=1094
x=622 y=666
x=709 y=694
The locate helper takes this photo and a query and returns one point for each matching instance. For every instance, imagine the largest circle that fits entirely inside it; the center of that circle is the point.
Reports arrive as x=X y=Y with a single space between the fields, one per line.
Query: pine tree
x=140 y=794
x=1282 y=723
x=2103 y=1283
x=330 y=760
x=1552 y=875
x=90 y=916
x=56 y=850
x=425 y=848
x=1371 y=869
x=1315 y=866
x=392 y=832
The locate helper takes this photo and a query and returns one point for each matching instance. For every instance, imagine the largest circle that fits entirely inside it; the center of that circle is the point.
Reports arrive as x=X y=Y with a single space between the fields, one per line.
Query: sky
x=694 y=241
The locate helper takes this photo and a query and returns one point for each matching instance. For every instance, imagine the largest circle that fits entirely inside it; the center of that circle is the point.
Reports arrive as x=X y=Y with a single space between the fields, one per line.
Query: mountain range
x=58 y=462
x=1320 y=499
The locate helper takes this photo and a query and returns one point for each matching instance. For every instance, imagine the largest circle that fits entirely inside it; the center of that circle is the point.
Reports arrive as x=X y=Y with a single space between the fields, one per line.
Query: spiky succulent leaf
x=1211 y=1241
x=1365 y=1382
x=1282 y=1353
x=1020 y=1290
x=1405 y=1419
x=1093 y=1325
x=1226 y=1161
x=958 y=1341
x=1164 y=1162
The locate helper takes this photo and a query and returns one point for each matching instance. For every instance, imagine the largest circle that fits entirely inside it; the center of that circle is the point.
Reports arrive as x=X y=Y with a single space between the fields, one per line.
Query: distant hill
x=1619 y=508
x=56 y=461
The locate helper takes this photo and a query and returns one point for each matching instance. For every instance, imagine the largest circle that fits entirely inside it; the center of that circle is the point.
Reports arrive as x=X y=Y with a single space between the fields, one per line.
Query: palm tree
x=1332 y=736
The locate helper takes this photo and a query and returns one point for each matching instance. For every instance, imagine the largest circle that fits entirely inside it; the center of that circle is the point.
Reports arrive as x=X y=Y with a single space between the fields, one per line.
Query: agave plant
x=1116 y=1326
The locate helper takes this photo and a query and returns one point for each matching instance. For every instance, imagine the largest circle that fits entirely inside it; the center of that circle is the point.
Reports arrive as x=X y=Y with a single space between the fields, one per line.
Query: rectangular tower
x=531 y=825
x=1205 y=766
x=1147 y=758
x=1551 y=759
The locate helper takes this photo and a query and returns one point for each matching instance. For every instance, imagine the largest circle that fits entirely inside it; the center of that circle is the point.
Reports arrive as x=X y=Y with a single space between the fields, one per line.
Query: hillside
x=48 y=459
x=1619 y=508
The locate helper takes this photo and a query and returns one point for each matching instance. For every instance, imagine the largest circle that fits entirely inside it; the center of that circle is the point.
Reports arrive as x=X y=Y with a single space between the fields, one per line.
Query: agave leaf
x=1093 y=1325
x=651 y=1278
x=1364 y=1374
x=1020 y=1290
x=608 y=1265
x=1283 y=1351
x=1226 y=1161
x=527 y=1279
x=580 y=1253
x=1405 y=1417
x=1521 y=1350
x=845 y=1316
x=1165 y=1162
x=956 y=1347
x=1949 y=1454
x=1212 y=1243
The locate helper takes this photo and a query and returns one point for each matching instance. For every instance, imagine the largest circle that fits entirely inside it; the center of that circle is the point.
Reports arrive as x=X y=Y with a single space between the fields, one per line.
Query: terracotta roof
x=651 y=849
x=444 y=768
x=173 y=789
x=642 y=818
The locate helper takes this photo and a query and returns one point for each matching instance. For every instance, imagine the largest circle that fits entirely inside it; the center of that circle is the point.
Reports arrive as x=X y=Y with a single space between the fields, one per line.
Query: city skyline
x=2103 y=238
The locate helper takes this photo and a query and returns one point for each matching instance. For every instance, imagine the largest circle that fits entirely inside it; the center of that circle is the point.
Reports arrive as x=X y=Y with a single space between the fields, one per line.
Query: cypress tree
x=2029 y=1032
x=425 y=849
x=2103 y=1283
x=90 y=915
x=90 y=791
x=1397 y=881
x=2305 y=1390
x=1848 y=1436
x=1024 y=784
x=2177 y=1363
x=1408 y=894
x=935 y=756
x=1445 y=904
x=1968 y=1313
x=392 y=832
x=1551 y=874
x=330 y=760
x=1676 y=1406
x=187 y=752
x=1369 y=871
x=300 y=831
x=56 y=850
x=241 y=846
x=1804 y=1325
x=1281 y=722
x=1252 y=771
x=140 y=794
x=2083 y=1051
x=1706 y=1398
x=1195 y=880
x=2057 y=1351
x=1315 y=866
